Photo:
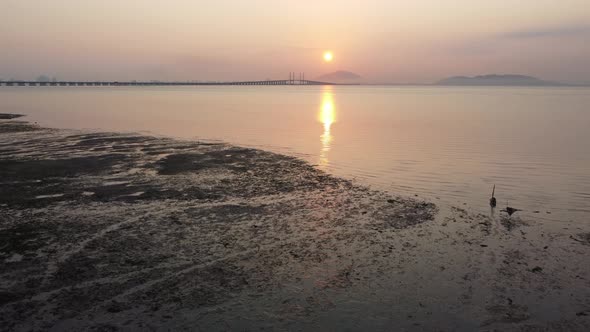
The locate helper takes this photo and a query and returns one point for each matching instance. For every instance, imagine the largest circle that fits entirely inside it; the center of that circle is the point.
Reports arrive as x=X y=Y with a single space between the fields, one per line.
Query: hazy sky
x=382 y=40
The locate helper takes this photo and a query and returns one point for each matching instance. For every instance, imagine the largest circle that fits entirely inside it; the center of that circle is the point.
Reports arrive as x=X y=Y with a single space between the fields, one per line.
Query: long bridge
x=138 y=83
x=291 y=81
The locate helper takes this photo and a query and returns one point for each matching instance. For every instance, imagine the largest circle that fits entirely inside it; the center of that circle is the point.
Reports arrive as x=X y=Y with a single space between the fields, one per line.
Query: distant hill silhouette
x=494 y=79
x=340 y=76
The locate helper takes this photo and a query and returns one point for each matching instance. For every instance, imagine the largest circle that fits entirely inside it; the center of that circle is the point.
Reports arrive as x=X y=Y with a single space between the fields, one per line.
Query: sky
x=384 y=41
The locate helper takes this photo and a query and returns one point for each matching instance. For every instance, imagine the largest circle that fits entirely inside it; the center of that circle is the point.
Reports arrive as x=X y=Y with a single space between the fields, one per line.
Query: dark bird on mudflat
x=493 y=199
x=510 y=210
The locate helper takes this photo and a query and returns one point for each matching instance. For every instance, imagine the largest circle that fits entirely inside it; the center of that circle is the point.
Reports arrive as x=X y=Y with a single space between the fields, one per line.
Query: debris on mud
x=583 y=238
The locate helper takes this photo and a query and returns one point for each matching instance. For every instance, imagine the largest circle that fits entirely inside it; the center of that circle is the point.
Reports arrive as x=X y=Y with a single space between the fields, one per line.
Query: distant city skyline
x=382 y=41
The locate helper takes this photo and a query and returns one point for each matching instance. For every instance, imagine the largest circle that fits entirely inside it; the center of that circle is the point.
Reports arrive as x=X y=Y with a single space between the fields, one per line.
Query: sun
x=328 y=56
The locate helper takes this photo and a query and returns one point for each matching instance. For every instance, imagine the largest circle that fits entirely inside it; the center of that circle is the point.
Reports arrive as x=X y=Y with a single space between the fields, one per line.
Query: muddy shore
x=111 y=231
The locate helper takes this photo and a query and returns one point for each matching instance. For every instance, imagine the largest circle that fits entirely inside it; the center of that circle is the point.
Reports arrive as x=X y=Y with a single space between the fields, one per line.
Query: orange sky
x=382 y=40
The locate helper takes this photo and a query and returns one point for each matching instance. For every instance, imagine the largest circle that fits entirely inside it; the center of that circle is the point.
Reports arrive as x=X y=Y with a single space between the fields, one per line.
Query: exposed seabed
x=110 y=231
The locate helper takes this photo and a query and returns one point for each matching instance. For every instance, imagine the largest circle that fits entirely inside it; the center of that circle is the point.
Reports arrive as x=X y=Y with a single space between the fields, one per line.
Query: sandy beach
x=112 y=231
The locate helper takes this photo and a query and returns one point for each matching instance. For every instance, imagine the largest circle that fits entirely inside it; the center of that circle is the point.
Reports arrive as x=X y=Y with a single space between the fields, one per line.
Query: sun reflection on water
x=327 y=116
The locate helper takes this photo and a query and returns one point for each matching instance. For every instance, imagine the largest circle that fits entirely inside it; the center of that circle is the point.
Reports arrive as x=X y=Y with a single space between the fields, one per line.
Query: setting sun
x=328 y=56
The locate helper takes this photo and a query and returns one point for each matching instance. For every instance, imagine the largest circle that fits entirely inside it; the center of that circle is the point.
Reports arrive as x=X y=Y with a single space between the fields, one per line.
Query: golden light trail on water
x=327 y=116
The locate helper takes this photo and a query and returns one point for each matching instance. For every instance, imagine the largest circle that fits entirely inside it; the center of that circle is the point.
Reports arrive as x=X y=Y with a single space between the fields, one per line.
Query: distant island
x=494 y=79
x=340 y=76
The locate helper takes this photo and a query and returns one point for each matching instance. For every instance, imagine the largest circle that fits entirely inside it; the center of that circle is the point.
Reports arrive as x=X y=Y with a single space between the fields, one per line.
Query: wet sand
x=111 y=231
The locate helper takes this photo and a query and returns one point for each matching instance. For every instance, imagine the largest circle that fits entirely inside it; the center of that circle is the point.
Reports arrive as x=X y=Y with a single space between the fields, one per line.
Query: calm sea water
x=445 y=144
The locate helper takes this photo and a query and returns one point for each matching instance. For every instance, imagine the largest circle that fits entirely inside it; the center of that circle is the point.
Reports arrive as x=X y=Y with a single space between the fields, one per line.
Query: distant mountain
x=494 y=79
x=340 y=76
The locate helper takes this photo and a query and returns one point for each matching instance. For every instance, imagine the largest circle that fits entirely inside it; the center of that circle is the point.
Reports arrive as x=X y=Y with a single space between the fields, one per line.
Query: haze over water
x=445 y=144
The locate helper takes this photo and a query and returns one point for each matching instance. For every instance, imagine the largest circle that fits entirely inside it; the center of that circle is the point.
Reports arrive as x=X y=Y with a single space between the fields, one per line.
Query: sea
x=448 y=145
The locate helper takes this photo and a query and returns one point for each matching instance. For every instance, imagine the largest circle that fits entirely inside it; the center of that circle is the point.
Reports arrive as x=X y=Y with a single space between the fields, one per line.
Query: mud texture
x=108 y=232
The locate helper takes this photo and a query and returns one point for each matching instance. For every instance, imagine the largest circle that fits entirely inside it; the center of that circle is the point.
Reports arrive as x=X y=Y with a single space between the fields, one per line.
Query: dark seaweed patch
x=41 y=169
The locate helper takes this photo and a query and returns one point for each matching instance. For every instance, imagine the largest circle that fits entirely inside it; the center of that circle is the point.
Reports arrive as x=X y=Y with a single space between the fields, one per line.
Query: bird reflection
x=327 y=118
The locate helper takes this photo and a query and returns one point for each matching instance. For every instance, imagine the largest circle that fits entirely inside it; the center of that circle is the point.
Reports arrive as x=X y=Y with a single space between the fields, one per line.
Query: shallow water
x=445 y=144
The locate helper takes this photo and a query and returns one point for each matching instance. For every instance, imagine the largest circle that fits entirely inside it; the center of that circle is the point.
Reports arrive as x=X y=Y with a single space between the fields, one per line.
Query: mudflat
x=112 y=231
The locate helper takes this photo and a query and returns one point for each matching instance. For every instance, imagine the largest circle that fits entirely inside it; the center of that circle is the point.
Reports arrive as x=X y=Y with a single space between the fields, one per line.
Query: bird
x=510 y=210
x=493 y=199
